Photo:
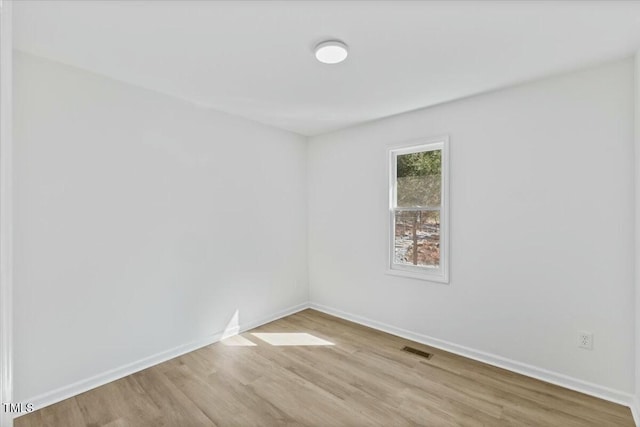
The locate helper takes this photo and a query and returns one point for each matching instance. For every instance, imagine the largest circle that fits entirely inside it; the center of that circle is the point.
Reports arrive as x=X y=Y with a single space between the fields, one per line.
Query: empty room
x=319 y=213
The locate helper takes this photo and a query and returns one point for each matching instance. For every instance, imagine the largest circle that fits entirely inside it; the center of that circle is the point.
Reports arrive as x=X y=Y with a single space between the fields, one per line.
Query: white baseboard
x=82 y=386
x=562 y=380
x=635 y=409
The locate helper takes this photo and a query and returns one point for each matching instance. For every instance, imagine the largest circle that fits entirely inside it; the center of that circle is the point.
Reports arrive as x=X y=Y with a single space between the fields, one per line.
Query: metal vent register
x=418 y=352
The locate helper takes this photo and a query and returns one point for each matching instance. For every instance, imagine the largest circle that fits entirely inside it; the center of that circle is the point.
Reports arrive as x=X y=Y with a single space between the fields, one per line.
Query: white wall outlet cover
x=585 y=340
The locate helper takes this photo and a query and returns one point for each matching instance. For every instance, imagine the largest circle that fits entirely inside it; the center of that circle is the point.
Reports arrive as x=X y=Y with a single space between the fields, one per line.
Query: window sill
x=412 y=274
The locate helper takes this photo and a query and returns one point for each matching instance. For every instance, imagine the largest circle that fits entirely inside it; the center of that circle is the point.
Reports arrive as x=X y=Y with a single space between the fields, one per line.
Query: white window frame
x=440 y=274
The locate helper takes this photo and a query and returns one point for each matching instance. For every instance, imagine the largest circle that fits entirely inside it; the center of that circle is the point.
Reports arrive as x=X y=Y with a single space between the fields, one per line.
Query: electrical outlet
x=585 y=340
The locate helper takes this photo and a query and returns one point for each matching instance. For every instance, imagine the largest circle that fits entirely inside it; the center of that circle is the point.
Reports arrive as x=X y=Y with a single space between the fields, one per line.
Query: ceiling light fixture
x=331 y=52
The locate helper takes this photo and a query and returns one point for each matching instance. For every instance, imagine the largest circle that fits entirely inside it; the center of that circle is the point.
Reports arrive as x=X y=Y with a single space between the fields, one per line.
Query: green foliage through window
x=420 y=164
x=419 y=179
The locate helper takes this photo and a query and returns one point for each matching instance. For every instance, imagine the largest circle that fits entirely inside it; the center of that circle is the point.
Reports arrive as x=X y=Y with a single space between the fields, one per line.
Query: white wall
x=541 y=224
x=637 y=234
x=6 y=195
x=142 y=223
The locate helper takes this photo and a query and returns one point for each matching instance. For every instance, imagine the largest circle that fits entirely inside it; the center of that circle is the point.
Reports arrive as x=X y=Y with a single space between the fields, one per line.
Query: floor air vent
x=418 y=352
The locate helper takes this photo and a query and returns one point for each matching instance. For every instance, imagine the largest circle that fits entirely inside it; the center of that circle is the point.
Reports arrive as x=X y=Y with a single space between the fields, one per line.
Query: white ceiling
x=255 y=59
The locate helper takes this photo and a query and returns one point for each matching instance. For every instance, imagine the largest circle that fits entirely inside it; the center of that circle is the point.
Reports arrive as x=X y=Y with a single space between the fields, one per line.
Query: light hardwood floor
x=363 y=379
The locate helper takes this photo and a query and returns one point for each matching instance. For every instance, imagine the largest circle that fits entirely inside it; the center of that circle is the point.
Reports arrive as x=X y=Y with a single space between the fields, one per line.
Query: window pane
x=417 y=238
x=419 y=179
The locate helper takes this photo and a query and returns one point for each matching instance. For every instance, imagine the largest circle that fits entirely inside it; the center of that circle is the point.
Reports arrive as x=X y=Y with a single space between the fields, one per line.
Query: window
x=419 y=229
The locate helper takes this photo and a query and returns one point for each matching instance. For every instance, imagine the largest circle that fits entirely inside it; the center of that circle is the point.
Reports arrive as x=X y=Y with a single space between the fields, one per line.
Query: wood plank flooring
x=363 y=379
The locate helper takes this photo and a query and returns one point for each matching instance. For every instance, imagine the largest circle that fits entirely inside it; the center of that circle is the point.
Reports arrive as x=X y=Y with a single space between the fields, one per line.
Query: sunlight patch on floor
x=290 y=338
x=238 y=341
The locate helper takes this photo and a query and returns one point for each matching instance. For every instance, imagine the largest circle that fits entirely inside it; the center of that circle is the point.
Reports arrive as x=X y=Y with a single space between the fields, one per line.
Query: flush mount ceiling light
x=331 y=52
